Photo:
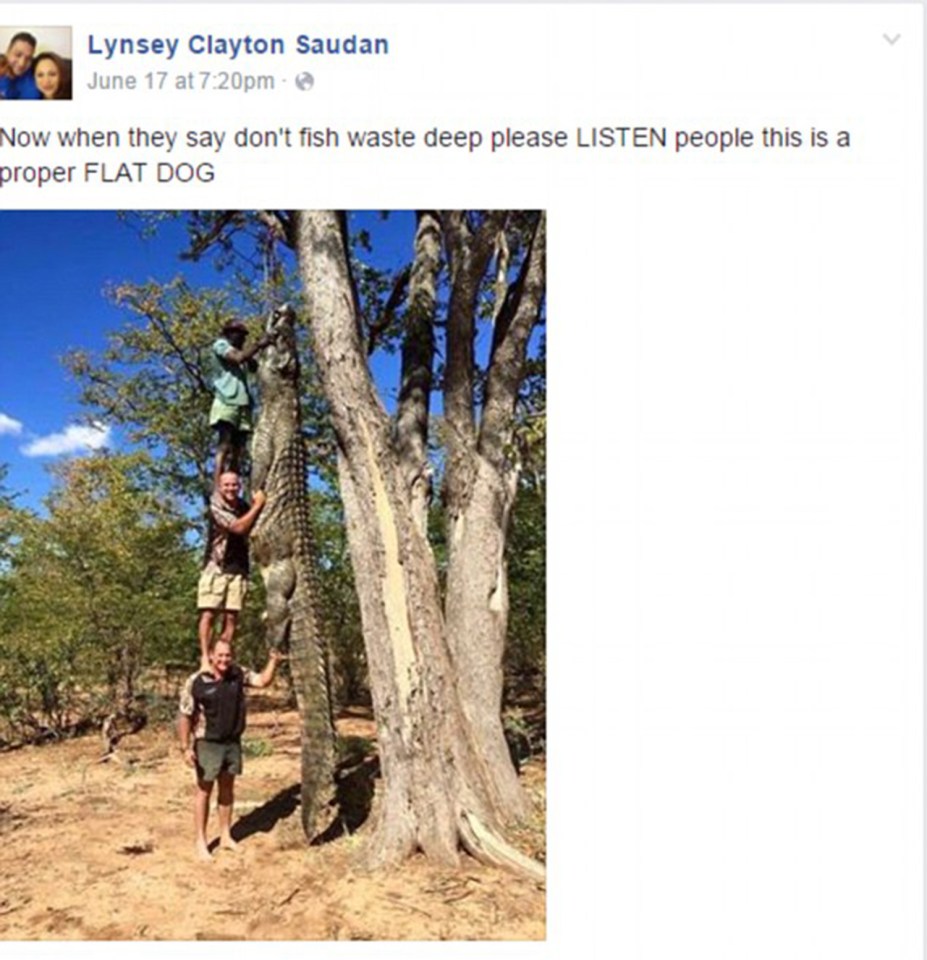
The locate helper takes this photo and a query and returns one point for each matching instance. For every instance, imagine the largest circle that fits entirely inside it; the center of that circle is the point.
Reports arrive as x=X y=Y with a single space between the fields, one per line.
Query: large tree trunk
x=438 y=793
x=482 y=478
x=477 y=610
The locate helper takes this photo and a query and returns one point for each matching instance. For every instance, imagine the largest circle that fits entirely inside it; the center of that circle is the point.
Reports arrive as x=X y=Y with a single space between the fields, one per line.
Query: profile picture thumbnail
x=35 y=63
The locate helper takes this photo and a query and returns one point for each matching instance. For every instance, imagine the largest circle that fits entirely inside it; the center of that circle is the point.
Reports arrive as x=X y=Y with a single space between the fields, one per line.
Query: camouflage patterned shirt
x=226 y=552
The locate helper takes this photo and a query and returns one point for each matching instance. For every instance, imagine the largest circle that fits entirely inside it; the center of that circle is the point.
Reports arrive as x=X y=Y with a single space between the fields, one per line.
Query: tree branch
x=397 y=295
x=513 y=330
x=168 y=337
x=201 y=242
x=418 y=351
x=468 y=257
x=278 y=224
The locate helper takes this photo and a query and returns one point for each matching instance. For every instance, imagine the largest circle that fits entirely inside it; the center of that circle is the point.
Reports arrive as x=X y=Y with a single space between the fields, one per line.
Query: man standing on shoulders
x=224 y=580
x=232 y=403
x=16 y=80
x=212 y=720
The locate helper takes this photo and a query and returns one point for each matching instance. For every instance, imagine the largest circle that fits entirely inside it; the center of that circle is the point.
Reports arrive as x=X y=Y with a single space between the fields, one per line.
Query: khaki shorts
x=221 y=591
x=238 y=417
x=212 y=758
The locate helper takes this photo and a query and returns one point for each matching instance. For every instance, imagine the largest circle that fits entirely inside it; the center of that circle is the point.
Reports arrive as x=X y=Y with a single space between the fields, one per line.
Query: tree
x=436 y=679
x=164 y=403
x=7 y=517
x=94 y=592
x=483 y=470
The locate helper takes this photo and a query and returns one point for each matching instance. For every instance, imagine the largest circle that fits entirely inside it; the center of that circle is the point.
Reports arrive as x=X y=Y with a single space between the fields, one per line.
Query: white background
x=736 y=436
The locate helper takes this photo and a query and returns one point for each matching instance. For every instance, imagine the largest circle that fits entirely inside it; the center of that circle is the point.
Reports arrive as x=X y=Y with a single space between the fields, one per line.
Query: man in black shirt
x=212 y=720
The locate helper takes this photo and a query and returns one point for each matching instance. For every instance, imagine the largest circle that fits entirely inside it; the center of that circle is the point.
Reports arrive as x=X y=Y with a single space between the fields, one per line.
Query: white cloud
x=9 y=425
x=72 y=439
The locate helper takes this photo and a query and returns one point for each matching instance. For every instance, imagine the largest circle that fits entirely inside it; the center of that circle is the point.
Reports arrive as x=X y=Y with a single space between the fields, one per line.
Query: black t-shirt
x=223 y=704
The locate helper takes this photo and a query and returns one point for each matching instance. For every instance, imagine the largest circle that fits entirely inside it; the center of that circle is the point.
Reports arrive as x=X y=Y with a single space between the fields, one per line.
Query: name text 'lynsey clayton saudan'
x=232 y=48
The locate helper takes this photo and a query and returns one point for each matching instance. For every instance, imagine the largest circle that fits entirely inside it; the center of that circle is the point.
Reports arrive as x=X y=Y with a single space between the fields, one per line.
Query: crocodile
x=282 y=545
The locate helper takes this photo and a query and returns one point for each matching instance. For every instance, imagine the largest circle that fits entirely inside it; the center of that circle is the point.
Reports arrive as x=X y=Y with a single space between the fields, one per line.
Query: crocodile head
x=280 y=359
x=281 y=319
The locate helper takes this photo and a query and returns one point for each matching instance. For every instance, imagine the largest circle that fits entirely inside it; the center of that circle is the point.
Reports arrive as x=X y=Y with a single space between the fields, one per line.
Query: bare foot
x=227 y=843
x=203 y=854
x=205 y=666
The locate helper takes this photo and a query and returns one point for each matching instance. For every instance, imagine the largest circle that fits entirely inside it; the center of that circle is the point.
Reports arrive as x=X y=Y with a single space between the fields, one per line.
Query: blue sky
x=56 y=266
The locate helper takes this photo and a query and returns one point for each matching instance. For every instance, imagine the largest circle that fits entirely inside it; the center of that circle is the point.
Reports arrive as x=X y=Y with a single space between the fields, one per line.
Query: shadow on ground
x=266 y=817
x=354 y=788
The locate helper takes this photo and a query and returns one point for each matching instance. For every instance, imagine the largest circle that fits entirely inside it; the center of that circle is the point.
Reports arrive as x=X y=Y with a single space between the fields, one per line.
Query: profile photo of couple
x=35 y=65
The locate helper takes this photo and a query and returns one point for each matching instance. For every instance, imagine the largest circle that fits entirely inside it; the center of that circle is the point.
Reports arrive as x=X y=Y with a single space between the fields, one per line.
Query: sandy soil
x=103 y=851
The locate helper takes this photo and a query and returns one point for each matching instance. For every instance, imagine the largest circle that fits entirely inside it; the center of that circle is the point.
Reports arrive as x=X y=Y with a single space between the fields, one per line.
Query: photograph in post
x=35 y=63
x=302 y=452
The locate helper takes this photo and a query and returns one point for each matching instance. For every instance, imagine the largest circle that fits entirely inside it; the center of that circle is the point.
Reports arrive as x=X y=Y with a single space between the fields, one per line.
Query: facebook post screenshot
x=297 y=644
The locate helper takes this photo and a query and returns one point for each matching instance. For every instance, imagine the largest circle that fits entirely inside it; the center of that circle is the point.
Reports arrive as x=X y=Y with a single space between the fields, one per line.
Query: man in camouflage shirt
x=224 y=581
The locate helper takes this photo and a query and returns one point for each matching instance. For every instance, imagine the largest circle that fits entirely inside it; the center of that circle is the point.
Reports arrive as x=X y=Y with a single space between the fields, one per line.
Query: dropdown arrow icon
x=892 y=40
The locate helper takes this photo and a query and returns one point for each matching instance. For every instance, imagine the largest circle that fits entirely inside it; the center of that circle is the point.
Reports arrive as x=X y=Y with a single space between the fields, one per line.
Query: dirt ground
x=103 y=851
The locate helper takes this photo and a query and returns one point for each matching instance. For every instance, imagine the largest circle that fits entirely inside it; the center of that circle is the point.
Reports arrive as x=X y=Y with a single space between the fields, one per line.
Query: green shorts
x=213 y=758
x=237 y=417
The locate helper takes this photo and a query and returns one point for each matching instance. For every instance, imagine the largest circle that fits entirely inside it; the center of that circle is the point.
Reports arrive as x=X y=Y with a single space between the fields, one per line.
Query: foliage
x=525 y=655
x=525 y=733
x=154 y=378
x=338 y=600
x=93 y=593
x=7 y=518
x=256 y=747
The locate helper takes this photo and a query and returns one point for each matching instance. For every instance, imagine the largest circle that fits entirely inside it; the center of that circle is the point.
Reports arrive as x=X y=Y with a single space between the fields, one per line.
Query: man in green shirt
x=232 y=401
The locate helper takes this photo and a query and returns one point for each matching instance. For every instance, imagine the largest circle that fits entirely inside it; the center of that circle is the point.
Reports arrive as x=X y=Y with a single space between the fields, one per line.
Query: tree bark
x=468 y=254
x=418 y=351
x=435 y=781
x=483 y=482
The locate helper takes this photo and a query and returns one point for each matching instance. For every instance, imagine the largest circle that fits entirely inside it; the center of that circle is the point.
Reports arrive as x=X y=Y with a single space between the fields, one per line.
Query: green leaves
x=155 y=378
x=92 y=594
